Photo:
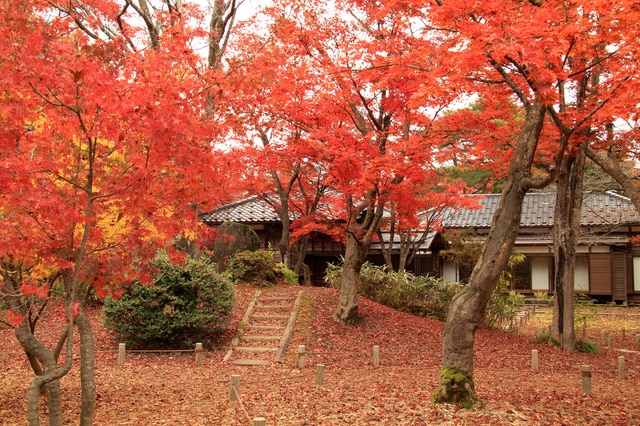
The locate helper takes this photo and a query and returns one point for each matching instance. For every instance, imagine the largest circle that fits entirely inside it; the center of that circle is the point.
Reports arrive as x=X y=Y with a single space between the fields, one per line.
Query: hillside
x=167 y=389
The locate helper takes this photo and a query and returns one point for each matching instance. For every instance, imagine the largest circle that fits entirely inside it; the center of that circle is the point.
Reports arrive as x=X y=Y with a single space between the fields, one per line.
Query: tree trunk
x=87 y=369
x=467 y=309
x=35 y=349
x=355 y=253
x=566 y=231
x=48 y=379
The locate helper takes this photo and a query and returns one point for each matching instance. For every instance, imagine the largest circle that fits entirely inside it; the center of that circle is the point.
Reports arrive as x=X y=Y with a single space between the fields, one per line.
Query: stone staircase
x=267 y=326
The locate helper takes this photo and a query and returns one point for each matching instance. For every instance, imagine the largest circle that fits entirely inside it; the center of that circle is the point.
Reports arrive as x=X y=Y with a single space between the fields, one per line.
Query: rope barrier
x=235 y=391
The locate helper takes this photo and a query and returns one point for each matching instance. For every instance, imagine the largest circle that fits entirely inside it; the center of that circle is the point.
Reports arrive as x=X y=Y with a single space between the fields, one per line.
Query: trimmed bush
x=187 y=304
x=253 y=266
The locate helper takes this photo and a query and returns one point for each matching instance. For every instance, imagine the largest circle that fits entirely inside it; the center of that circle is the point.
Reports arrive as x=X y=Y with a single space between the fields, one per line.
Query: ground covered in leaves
x=168 y=389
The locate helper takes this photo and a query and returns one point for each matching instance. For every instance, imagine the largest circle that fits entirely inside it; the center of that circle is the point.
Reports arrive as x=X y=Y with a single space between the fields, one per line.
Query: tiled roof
x=250 y=210
x=599 y=208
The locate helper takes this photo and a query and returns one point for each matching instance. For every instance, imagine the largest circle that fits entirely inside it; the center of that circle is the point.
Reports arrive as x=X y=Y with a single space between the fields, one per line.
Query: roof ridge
x=233 y=204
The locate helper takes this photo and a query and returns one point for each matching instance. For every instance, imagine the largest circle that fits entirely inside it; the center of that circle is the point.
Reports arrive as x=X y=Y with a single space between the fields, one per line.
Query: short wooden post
x=319 y=375
x=301 y=356
x=604 y=337
x=638 y=342
x=585 y=373
x=376 y=356
x=534 y=359
x=259 y=421
x=234 y=392
x=611 y=341
x=199 y=352
x=620 y=367
x=624 y=333
x=122 y=349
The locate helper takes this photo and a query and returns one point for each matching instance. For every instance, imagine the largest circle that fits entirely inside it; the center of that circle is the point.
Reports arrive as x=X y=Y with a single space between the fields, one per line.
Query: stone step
x=277 y=298
x=251 y=362
x=256 y=349
x=272 y=307
x=268 y=317
x=261 y=338
x=265 y=327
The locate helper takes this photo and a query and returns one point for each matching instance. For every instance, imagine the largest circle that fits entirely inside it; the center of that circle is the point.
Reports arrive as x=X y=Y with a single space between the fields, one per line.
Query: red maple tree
x=106 y=157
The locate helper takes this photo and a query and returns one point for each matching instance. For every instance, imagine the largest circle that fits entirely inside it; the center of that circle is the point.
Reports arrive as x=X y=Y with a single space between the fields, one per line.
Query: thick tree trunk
x=466 y=311
x=87 y=370
x=566 y=231
x=355 y=253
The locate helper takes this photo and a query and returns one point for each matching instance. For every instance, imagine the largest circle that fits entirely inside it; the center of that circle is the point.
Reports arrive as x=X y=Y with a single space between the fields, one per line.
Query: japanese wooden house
x=607 y=266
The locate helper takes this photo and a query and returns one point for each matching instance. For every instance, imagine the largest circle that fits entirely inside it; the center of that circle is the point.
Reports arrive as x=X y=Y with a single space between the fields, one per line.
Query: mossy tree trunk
x=467 y=309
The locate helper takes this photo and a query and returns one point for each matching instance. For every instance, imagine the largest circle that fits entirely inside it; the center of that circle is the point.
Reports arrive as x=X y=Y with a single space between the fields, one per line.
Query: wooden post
x=620 y=367
x=122 y=349
x=534 y=359
x=638 y=342
x=319 y=375
x=611 y=341
x=234 y=392
x=624 y=333
x=199 y=352
x=259 y=421
x=604 y=337
x=301 y=356
x=585 y=373
x=376 y=356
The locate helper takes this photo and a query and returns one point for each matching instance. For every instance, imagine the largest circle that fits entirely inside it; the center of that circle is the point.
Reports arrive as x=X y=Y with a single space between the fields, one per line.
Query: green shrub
x=503 y=305
x=587 y=347
x=187 y=304
x=286 y=274
x=253 y=266
x=423 y=296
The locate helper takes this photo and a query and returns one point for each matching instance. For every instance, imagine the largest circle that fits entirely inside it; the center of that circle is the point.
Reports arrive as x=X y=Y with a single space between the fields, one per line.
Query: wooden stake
x=301 y=356
x=638 y=342
x=122 y=349
x=319 y=375
x=259 y=421
x=234 y=392
x=585 y=373
x=604 y=337
x=376 y=356
x=620 y=367
x=199 y=352
x=534 y=359
x=611 y=341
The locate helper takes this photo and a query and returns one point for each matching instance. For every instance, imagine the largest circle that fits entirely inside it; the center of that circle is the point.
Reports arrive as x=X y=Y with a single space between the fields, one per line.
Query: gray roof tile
x=250 y=210
x=600 y=208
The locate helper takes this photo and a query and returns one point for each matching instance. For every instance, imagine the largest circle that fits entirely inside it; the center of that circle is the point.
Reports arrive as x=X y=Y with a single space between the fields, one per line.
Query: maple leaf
x=28 y=289
x=15 y=319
